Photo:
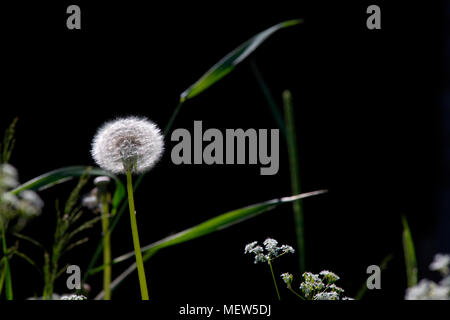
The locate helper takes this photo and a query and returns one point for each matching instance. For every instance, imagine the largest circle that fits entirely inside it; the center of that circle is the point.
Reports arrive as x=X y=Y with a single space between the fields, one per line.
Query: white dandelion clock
x=128 y=144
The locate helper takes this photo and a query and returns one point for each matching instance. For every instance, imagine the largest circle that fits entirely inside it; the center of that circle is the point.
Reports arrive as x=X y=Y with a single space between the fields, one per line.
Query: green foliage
x=64 y=238
x=6 y=151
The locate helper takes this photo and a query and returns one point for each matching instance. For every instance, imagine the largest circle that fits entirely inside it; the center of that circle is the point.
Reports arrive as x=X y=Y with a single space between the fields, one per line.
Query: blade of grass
x=217 y=223
x=57 y=176
x=229 y=62
x=27 y=259
x=2 y=279
x=8 y=280
x=295 y=176
x=410 y=254
x=269 y=97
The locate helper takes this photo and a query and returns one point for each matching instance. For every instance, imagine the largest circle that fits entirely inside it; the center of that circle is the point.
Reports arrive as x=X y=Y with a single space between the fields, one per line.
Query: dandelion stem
x=274 y=280
x=137 y=246
x=106 y=248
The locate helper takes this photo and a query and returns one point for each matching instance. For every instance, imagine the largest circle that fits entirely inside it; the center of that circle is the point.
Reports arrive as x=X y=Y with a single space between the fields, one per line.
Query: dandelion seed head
x=131 y=143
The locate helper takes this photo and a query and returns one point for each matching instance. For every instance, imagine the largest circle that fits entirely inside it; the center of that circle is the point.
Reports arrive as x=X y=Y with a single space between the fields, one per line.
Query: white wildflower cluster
x=131 y=143
x=287 y=278
x=430 y=290
x=321 y=286
x=270 y=251
x=23 y=206
x=73 y=297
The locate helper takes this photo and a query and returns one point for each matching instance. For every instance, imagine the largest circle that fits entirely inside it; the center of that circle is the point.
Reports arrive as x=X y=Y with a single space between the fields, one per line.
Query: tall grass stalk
x=410 y=254
x=7 y=269
x=106 y=246
x=269 y=97
x=137 y=246
x=295 y=176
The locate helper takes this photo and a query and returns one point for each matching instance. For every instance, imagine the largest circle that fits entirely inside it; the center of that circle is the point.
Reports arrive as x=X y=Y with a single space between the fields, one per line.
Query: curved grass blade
x=410 y=254
x=61 y=175
x=217 y=223
x=229 y=62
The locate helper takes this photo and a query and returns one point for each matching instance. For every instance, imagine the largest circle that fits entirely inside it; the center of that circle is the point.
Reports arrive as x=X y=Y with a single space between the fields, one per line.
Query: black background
x=366 y=105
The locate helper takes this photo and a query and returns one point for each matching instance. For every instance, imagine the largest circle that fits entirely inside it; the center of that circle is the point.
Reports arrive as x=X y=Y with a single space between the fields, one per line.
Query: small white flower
x=128 y=144
x=73 y=297
x=311 y=284
x=90 y=201
x=250 y=246
x=260 y=258
x=445 y=282
x=270 y=244
x=326 y=296
x=287 y=278
x=328 y=276
x=440 y=263
x=421 y=291
x=8 y=177
x=336 y=289
x=287 y=249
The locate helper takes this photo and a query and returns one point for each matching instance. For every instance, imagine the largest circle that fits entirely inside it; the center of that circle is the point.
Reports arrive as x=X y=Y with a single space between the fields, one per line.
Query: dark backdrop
x=366 y=106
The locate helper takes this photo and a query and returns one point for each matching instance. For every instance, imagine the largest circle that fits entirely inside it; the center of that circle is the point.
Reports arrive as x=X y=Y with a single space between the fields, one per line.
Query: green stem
x=274 y=280
x=137 y=246
x=269 y=97
x=106 y=248
x=295 y=176
x=293 y=291
x=172 y=118
x=8 y=281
